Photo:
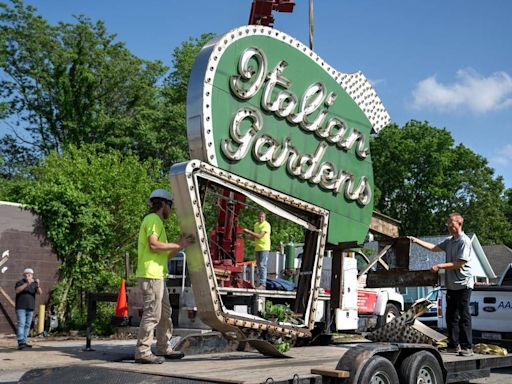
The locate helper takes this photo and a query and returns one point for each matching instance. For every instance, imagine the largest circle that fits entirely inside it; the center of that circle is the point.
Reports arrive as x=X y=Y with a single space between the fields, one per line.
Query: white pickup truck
x=491 y=309
x=376 y=306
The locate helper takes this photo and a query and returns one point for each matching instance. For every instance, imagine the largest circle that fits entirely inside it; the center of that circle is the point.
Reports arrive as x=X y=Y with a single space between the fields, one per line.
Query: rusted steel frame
x=401 y=279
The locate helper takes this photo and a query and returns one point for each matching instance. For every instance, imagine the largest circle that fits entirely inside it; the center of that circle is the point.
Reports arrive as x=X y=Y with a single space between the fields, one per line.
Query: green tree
x=72 y=84
x=508 y=196
x=508 y=211
x=91 y=201
x=421 y=176
x=173 y=132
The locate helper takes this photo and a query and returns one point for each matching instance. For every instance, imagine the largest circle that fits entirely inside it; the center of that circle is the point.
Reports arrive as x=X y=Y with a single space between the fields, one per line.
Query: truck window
x=432 y=296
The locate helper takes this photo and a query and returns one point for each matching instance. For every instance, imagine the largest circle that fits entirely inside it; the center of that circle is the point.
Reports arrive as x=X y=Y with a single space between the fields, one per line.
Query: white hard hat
x=28 y=270
x=161 y=194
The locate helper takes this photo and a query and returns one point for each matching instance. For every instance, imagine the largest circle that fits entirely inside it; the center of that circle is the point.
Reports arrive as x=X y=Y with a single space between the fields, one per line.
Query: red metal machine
x=226 y=243
x=261 y=10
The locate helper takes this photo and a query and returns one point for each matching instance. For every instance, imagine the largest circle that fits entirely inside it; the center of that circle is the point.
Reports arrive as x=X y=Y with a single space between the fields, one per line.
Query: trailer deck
x=244 y=367
x=252 y=368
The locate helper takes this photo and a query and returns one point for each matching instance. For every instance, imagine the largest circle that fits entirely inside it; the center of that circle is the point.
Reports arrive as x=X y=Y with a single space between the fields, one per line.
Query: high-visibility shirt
x=262 y=244
x=151 y=264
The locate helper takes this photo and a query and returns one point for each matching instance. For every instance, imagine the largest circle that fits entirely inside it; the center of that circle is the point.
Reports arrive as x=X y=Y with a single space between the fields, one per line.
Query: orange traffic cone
x=122 y=306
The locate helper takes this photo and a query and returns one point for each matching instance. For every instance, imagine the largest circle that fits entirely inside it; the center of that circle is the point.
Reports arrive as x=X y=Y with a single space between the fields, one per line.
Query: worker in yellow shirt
x=153 y=253
x=261 y=237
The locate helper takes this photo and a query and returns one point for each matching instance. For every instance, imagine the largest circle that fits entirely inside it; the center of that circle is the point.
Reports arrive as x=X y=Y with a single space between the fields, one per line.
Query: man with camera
x=26 y=290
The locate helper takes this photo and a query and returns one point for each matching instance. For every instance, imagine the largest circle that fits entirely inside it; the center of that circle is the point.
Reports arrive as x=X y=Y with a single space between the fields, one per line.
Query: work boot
x=455 y=350
x=21 y=346
x=27 y=345
x=149 y=359
x=170 y=354
x=466 y=352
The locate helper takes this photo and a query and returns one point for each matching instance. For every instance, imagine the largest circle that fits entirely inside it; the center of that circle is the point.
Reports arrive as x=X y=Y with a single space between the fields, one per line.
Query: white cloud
x=470 y=91
x=503 y=156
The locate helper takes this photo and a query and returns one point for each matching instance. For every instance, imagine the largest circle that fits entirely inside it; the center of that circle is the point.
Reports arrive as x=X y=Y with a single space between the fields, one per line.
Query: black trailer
x=361 y=363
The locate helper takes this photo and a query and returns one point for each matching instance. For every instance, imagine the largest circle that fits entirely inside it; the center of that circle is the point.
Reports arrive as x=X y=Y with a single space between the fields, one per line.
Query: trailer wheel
x=420 y=368
x=378 y=370
x=390 y=314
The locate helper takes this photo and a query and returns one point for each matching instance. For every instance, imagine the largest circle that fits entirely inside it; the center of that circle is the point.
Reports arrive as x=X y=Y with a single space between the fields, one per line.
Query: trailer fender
x=356 y=357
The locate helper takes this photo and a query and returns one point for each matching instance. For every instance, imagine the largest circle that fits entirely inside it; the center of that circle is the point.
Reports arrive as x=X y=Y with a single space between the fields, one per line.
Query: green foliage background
x=91 y=201
x=422 y=176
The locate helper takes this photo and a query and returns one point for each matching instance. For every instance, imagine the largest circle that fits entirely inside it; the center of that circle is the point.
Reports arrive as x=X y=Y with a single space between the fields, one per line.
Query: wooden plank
x=6 y=295
x=222 y=273
x=336 y=373
x=384 y=225
x=8 y=318
x=434 y=335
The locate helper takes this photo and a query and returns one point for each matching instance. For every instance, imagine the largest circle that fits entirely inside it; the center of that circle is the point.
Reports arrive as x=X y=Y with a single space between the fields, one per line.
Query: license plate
x=491 y=335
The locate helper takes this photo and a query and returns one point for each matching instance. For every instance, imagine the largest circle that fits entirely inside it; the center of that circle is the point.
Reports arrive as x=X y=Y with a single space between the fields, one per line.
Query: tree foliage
x=73 y=84
x=508 y=210
x=91 y=201
x=422 y=176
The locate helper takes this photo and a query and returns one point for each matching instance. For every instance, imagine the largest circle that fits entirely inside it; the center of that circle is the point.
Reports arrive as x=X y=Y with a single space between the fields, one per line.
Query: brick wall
x=22 y=235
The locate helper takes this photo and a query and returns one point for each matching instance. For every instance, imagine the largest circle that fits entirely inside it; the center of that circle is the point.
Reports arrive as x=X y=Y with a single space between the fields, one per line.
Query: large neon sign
x=265 y=107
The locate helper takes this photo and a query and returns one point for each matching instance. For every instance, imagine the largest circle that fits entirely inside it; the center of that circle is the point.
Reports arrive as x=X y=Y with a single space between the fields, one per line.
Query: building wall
x=22 y=237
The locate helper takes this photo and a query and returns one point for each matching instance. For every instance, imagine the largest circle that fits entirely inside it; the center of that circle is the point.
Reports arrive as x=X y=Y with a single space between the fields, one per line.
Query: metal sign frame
x=186 y=180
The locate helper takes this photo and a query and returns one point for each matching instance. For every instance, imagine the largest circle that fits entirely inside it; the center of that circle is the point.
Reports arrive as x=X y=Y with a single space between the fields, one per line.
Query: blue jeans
x=24 y=317
x=261 y=263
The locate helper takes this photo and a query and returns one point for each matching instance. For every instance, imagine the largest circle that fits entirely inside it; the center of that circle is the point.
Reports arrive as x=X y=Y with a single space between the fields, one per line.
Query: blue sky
x=446 y=62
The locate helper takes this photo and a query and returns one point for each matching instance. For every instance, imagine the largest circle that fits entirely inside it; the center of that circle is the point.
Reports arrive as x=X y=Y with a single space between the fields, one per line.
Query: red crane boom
x=261 y=10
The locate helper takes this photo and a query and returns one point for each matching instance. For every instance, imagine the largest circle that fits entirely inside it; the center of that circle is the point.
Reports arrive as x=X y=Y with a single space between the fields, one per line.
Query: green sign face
x=263 y=106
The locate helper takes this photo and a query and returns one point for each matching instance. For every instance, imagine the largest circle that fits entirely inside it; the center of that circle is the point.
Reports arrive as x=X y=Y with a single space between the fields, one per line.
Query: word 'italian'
x=328 y=129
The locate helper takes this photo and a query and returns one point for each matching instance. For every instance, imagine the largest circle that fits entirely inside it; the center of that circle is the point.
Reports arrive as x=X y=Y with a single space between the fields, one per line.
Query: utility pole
x=311 y=24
